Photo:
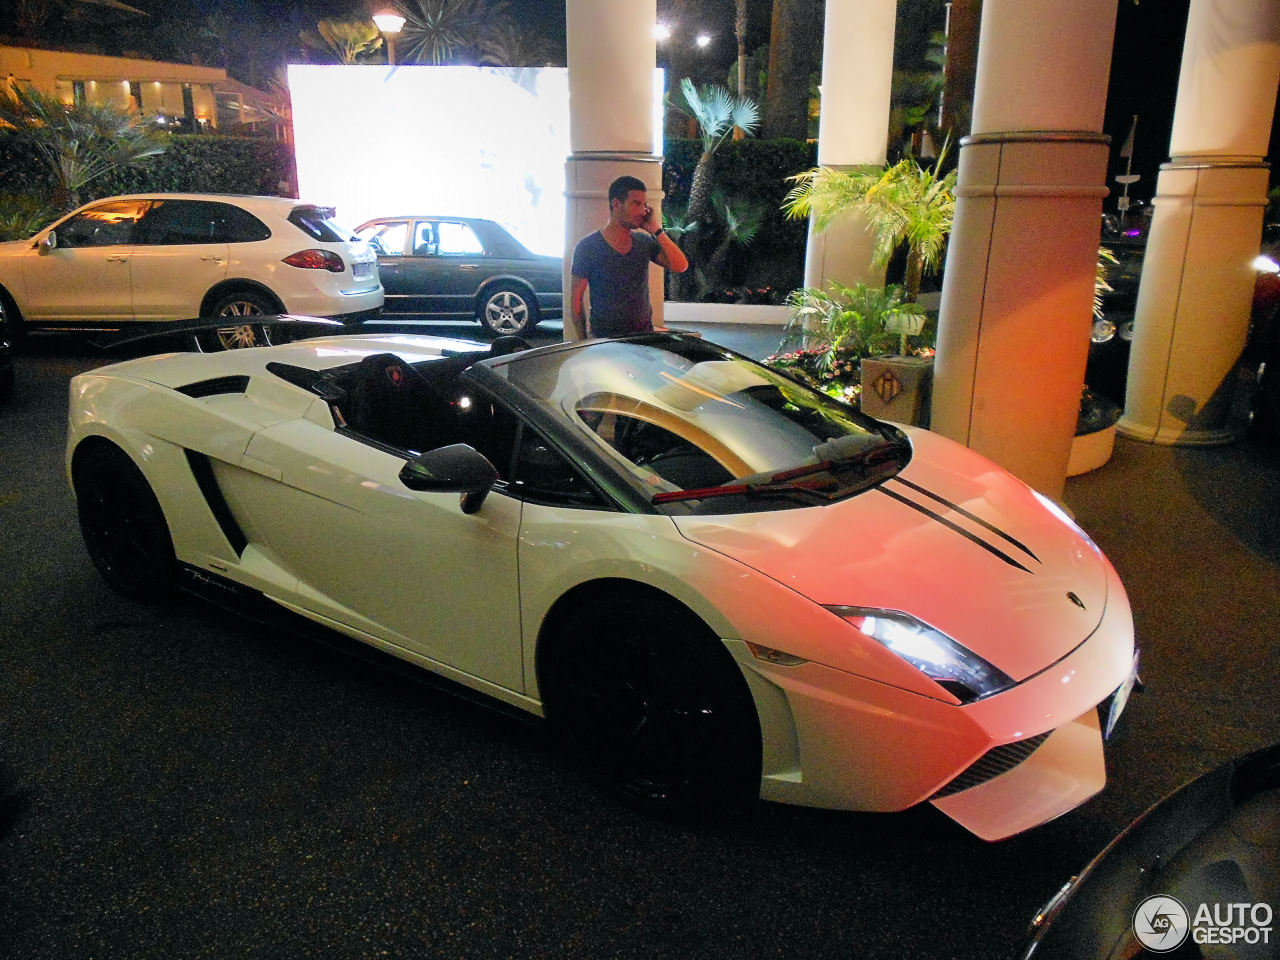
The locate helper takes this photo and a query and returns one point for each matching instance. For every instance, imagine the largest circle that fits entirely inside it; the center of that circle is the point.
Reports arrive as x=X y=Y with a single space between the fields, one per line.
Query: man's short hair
x=619 y=189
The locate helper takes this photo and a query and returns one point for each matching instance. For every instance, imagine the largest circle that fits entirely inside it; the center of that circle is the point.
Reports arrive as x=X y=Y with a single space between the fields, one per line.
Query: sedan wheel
x=237 y=336
x=122 y=524
x=655 y=705
x=506 y=310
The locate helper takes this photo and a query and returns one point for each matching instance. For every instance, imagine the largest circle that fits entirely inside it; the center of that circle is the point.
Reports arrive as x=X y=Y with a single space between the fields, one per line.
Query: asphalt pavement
x=181 y=782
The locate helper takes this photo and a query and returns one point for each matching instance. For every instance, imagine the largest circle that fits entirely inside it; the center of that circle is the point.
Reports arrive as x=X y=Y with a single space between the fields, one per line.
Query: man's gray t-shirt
x=619 y=282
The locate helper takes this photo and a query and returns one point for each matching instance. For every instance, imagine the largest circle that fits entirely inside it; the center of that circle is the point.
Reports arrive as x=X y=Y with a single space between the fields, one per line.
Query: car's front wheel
x=239 y=332
x=655 y=704
x=122 y=524
x=506 y=310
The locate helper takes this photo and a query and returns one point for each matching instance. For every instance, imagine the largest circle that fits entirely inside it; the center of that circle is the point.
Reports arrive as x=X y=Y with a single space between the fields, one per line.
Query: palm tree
x=717 y=112
x=76 y=144
x=904 y=203
x=347 y=41
x=507 y=45
x=448 y=31
x=795 y=52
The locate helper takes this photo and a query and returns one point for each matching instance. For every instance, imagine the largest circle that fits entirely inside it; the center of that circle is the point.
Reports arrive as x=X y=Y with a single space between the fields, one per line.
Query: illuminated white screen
x=462 y=141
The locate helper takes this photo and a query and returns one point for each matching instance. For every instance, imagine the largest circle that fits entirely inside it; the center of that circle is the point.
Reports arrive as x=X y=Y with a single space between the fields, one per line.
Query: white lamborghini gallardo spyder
x=714 y=582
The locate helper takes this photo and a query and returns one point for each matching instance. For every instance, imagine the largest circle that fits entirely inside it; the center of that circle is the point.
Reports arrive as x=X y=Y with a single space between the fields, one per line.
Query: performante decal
x=965 y=513
x=974 y=538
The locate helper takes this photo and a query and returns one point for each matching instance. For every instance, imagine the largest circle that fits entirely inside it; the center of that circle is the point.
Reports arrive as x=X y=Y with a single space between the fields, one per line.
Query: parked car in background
x=444 y=268
x=148 y=257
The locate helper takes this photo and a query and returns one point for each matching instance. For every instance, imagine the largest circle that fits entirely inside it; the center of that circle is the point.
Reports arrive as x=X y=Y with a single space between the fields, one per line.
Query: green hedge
x=755 y=171
x=190 y=164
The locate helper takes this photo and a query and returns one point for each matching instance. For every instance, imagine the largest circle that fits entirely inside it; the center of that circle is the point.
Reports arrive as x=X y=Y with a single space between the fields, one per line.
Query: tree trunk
x=795 y=52
x=740 y=29
x=915 y=271
x=700 y=190
x=960 y=70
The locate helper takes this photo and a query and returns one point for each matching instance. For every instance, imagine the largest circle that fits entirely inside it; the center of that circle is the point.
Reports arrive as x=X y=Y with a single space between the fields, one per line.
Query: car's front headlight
x=959 y=671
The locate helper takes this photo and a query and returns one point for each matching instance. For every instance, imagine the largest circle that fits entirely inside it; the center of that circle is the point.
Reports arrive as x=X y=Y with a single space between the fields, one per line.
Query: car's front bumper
x=834 y=739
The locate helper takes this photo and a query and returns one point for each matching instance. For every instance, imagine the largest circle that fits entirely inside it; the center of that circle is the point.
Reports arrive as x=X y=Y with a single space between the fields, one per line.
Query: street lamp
x=389 y=23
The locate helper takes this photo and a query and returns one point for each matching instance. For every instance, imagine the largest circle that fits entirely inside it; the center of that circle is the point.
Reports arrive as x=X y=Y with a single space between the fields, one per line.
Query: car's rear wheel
x=507 y=309
x=654 y=703
x=239 y=333
x=122 y=524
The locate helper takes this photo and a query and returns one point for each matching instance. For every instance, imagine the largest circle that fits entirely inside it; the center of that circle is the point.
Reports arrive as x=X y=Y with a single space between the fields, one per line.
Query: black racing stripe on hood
x=965 y=513
x=994 y=551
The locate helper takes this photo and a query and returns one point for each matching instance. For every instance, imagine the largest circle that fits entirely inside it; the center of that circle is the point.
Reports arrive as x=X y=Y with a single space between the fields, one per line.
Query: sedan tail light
x=316 y=260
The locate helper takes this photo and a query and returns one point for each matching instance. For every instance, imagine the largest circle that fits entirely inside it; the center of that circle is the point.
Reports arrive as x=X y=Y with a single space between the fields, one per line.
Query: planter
x=897 y=388
x=1095 y=437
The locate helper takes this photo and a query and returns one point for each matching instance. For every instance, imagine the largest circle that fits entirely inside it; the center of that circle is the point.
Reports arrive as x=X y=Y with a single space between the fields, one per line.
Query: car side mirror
x=457 y=468
x=49 y=242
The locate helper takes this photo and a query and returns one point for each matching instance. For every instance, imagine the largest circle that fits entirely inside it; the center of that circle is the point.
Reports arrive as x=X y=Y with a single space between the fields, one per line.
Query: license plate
x=362 y=271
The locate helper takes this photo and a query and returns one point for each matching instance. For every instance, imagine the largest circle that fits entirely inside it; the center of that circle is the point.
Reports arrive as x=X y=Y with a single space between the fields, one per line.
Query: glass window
x=172 y=222
x=387 y=239
x=542 y=474
x=105 y=225
x=687 y=415
x=424 y=240
x=533 y=468
x=455 y=239
x=318 y=224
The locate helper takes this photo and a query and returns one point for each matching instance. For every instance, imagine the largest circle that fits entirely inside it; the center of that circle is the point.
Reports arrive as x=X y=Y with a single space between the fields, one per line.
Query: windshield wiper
x=792 y=481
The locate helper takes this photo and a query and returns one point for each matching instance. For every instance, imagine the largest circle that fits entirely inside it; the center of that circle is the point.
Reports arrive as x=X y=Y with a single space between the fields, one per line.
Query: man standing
x=614 y=263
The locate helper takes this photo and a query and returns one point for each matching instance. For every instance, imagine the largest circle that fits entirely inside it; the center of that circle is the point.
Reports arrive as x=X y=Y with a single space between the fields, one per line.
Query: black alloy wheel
x=655 y=705
x=240 y=333
x=507 y=309
x=123 y=525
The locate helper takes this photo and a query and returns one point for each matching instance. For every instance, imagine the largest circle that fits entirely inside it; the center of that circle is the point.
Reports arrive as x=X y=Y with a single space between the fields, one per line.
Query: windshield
x=693 y=423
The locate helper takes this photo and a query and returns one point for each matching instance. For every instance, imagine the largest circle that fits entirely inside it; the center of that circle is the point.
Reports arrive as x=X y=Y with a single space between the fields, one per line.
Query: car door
x=180 y=253
x=446 y=267
x=86 y=274
x=390 y=238
x=409 y=568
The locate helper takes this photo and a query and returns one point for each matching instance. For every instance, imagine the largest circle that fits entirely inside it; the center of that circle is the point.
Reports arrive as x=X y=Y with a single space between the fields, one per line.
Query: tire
x=243 y=303
x=123 y=525
x=655 y=706
x=507 y=309
x=11 y=326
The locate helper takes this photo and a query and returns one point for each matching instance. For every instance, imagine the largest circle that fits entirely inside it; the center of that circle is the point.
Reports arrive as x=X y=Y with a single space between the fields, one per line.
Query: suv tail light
x=316 y=260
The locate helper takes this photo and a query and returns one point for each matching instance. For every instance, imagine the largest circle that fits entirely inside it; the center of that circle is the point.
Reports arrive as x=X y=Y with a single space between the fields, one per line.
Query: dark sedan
x=450 y=267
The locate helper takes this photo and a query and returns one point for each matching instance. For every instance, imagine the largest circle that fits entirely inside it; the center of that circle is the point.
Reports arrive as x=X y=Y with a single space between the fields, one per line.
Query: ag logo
x=1160 y=923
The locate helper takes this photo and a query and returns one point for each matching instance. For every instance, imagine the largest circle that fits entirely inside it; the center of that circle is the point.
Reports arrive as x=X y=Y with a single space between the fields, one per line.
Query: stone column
x=1197 y=279
x=1017 y=297
x=612 y=56
x=857 y=67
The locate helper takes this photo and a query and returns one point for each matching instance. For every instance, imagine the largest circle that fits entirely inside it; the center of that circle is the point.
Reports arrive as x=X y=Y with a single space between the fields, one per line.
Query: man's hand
x=652 y=222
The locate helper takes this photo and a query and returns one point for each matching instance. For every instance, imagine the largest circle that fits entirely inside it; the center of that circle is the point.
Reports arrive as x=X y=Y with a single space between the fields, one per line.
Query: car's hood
x=954 y=540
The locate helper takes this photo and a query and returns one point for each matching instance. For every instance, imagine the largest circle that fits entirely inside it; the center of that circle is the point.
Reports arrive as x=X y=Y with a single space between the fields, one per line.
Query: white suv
x=148 y=257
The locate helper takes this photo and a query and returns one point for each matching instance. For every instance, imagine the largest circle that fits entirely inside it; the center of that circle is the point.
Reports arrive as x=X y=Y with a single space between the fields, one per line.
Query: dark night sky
x=1143 y=81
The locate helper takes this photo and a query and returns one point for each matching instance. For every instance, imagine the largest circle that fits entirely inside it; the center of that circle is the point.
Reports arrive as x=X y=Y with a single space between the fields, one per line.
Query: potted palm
x=903 y=204
x=834 y=332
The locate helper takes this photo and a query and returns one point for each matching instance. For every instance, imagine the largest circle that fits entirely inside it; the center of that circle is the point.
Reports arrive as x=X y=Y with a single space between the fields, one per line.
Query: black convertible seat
x=392 y=402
